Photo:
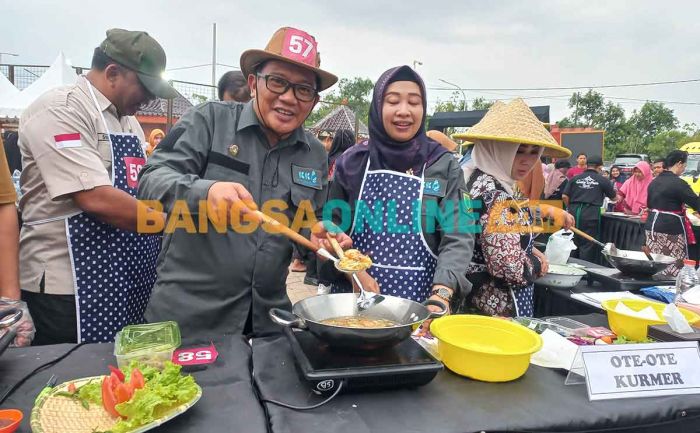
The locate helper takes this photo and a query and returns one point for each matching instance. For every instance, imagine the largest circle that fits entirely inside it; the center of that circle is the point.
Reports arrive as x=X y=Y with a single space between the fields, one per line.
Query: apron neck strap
x=97 y=105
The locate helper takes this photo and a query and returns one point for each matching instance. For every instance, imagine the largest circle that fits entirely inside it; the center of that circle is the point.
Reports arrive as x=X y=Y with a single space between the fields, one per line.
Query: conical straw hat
x=515 y=123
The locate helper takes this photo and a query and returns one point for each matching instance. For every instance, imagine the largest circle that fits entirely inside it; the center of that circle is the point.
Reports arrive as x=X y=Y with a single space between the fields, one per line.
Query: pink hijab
x=635 y=190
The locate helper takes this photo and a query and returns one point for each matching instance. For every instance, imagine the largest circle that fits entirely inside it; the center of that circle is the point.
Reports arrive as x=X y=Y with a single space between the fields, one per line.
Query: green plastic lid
x=150 y=337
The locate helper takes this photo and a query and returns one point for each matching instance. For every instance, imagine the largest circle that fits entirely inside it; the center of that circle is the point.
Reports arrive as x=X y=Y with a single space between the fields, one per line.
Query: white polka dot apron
x=113 y=270
x=403 y=264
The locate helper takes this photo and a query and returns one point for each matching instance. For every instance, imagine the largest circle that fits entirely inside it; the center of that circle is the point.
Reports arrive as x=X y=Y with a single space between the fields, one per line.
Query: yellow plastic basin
x=485 y=348
x=635 y=328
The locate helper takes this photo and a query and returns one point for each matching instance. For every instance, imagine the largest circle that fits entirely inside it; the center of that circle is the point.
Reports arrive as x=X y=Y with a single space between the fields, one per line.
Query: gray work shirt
x=208 y=281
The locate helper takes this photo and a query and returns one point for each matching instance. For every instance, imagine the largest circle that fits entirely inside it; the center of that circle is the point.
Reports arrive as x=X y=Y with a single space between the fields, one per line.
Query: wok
x=308 y=314
x=636 y=263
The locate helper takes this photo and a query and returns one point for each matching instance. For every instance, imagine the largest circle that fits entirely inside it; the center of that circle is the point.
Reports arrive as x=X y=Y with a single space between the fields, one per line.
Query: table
x=539 y=401
x=228 y=400
x=628 y=234
x=554 y=301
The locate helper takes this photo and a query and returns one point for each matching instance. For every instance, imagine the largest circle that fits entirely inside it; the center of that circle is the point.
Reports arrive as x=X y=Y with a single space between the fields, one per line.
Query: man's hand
x=225 y=198
x=368 y=283
x=543 y=261
x=319 y=233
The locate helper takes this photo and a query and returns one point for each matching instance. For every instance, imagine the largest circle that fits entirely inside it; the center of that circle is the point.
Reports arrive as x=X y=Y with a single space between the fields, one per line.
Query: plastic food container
x=635 y=328
x=485 y=348
x=152 y=344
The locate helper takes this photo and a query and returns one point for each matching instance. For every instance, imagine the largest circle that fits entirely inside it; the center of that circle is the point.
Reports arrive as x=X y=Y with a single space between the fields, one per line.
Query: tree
x=651 y=119
x=454 y=103
x=481 y=104
x=355 y=93
x=591 y=110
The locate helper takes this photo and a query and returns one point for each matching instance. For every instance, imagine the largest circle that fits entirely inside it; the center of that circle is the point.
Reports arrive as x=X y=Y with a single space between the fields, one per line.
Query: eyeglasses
x=278 y=85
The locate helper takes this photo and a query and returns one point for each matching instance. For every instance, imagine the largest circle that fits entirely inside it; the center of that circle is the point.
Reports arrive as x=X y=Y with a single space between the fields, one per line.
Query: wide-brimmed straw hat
x=293 y=46
x=515 y=123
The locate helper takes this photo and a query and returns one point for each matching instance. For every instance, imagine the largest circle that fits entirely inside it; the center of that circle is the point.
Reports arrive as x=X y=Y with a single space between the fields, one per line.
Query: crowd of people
x=457 y=232
x=655 y=192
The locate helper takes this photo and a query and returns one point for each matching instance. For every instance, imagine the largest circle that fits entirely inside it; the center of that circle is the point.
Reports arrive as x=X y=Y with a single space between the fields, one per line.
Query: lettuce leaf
x=91 y=391
x=164 y=391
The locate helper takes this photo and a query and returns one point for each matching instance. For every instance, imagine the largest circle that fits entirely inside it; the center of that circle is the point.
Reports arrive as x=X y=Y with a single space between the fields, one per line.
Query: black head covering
x=381 y=149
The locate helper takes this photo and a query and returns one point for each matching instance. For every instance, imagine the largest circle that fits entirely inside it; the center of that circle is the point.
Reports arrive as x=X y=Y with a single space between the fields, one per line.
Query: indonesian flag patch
x=64 y=141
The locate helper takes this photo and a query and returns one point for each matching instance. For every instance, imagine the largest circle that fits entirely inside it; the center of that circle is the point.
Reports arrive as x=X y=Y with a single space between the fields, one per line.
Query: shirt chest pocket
x=226 y=169
x=305 y=198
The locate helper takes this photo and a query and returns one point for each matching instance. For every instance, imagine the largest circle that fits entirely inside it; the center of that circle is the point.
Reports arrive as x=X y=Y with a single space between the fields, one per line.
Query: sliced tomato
x=71 y=388
x=108 y=398
x=117 y=372
x=137 y=380
x=123 y=392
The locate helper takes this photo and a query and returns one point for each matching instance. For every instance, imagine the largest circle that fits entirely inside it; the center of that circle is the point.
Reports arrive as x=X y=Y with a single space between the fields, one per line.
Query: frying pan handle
x=9 y=317
x=436 y=314
x=285 y=318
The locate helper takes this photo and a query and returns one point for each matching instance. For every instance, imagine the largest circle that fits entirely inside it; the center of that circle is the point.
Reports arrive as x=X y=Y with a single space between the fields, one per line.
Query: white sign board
x=641 y=370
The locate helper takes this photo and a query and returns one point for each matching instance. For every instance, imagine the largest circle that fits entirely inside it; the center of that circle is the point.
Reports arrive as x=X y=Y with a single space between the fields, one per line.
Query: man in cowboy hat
x=225 y=154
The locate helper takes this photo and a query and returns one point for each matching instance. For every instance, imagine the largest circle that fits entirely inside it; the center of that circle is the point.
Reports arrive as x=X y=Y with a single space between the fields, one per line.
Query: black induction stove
x=404 y=365
x=614 y=280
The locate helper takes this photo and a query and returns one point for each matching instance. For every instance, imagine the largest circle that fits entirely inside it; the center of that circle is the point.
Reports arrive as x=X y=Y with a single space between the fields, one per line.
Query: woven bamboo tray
x=55 y=414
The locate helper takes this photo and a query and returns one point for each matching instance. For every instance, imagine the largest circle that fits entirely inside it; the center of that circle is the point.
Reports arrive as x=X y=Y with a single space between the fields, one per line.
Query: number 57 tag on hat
x=300 y=46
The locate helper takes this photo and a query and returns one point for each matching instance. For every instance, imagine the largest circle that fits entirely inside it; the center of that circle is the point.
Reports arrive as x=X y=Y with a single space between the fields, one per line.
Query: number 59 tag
x=195 y=356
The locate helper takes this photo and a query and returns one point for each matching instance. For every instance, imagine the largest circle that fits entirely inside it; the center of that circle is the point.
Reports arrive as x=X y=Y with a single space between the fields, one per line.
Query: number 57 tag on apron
x=196 y=356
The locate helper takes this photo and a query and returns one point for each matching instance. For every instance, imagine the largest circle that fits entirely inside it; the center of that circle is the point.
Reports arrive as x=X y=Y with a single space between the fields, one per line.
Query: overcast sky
x=475 y=44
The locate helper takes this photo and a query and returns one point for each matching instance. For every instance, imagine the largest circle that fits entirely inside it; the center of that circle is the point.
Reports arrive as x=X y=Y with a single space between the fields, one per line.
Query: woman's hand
x=424 y=330
x=319 y=233
x=368 y=283
x=544 y=264
x=561 y=217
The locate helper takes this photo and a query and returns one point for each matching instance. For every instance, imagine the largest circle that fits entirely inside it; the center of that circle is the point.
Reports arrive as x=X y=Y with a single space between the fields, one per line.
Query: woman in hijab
x=556 y=181
x=532 y=185
x=153 y=139
x=344 y=139
x=618 y=179
x=508 y=144
x=633 y=193
x=394 y=183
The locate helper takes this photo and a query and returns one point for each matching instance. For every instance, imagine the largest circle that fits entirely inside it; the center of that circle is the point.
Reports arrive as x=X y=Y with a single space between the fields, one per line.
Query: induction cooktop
x=406 y=364
x=612 y=279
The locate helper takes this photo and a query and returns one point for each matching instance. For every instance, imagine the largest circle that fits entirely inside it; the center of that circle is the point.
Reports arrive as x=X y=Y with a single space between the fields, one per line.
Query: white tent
x=60 y=73
x=7 y=89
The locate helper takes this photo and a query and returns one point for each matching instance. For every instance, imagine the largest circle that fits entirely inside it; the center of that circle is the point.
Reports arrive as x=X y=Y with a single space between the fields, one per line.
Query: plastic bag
x=25 y=326
x=559 y=247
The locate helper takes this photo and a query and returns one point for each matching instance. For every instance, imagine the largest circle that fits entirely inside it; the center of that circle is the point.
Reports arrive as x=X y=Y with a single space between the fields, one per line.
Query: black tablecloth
x=628 y=234
x=228 y=400
x=539 y=401
x=554 y=301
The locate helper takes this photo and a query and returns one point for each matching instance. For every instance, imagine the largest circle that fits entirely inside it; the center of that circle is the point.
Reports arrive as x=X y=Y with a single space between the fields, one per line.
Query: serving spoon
x=366 y=299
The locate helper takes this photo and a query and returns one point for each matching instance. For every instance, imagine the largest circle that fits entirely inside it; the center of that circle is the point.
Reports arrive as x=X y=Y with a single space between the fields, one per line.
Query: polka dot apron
x=113 y=270
x=403 y=264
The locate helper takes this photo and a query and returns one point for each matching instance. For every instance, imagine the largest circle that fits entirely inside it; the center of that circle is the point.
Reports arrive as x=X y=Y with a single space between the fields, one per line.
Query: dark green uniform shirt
x=208 y=282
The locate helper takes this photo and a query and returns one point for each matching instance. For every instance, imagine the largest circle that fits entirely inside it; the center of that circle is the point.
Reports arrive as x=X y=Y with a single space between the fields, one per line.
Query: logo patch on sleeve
x=434 y=187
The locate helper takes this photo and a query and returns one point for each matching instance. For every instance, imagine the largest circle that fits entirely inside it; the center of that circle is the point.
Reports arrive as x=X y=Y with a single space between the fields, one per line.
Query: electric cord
x=37 y=370
x=341 y=385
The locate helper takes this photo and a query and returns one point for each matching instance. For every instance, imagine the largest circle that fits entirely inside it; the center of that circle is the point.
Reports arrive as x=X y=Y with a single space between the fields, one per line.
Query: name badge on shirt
x=434 y=187
x=102 y=137
x=306 y=177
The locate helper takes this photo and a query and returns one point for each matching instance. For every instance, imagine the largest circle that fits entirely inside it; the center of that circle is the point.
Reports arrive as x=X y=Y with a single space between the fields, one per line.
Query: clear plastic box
x=152 y=344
